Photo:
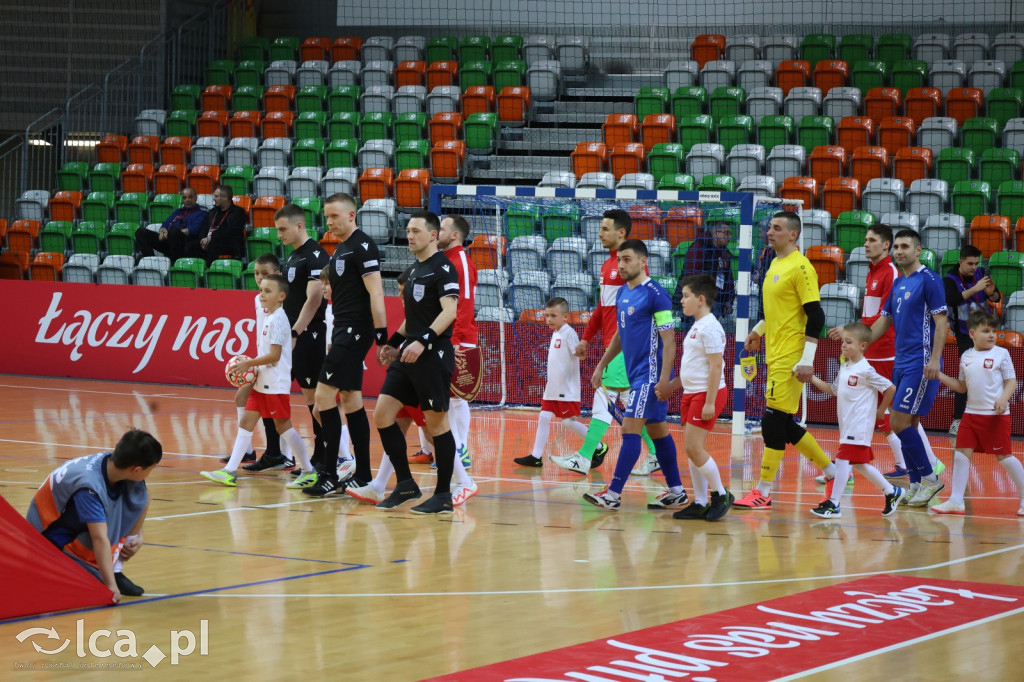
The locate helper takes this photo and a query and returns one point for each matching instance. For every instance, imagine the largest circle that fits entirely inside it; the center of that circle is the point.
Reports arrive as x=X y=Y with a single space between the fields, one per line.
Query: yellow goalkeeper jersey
x=790 y=283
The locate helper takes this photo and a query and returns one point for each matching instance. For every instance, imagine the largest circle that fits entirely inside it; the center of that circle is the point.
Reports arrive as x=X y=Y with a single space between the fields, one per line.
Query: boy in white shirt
x=271 y=392
x=857 y=387
x=988 y=378
x=562 y=390
x=702 y=378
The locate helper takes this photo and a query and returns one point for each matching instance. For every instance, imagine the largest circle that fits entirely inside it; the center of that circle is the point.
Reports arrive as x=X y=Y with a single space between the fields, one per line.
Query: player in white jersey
x=271 y=390
x=562 y=390
x=857 y=388
x=988 y=377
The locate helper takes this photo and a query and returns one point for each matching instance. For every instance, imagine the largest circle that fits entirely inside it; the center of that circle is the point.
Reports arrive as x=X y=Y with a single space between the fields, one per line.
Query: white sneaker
x=649 y=466
x=669 y=500
x=949 y=507
x=911 y=492
x=346 y=469
x=954 y=427
x=925 y=493
x=305 y=479
x=365 y=493
x=461 y=493
x=575 y=462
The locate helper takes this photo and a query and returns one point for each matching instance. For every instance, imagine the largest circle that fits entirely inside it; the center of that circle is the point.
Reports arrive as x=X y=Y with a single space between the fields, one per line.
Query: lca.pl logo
x=101 y=643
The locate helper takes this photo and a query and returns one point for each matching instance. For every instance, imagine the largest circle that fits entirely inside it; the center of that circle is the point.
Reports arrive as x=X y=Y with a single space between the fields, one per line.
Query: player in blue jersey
x=916 y=309
x=645 y=335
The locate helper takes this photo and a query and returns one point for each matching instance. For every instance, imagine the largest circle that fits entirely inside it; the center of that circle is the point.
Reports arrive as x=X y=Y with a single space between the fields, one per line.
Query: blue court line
x=193 y=593
x=264 y=556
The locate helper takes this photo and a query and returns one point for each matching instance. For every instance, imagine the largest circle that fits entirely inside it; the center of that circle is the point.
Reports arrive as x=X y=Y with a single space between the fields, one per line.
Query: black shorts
x=343 y=366
x=425 y=383
x=308 y=356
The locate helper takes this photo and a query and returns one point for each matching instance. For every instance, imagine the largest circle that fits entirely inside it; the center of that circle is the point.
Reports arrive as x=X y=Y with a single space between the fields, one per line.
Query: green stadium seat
x=72 y=176
x=717 y=183
x=442 y=49
x=856 y=47
x=187 y=272
x=475 y=48
x=1009 y=200
x=285 y=48
x=186 y=96
x=254 y=48
x=679 y=257
x=249 y=72
x=104 y=176
x=314 y=208
x=55 y=237
x=560 y=220
x=311 y=98
x=310 y=125
x=162 y=206
x=693 y=130
x=1002 y=104
x=247 y=98
x=410 y=126
x=1015 y=79
x=131 y=207
x=239 y=178
x=775 y=130
x=650 y=100
x=955 y=164
x=734 y=130
x=481 y=132
x=344 y=125
x=869 y=74
x=249 y=275
x=521 y=220
x=727 y=102
x=98 y=206
x=909 y=73
x=979 y=134
x=1007 y=271
x=377 y=125
x=689 y=100
x=665 y=159
x=950 y=260
x=850 y=227
x=181 y=123
x=263 y=240
x=412 y=154
x=308 y=152
x=88 y=236
x=220 y=72
x=929 y=259
x=509 y=73
x=893 y=47
x=474 y=73
x=506 y=48
x=998 y=166
x=121 y=239
x=342 y=154
x=814 y=131
x=817 y=47
x=224 y=273
x=344 y=99
x=678 y=181
x=971 y=198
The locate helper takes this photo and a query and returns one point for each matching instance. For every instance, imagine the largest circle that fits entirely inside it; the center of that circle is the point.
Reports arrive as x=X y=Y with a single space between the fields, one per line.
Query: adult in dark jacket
x=710 y=255
x=180 y=229
x=223 y=232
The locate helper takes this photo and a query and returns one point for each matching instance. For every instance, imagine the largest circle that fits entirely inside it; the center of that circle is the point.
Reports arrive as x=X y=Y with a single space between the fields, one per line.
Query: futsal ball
x=239 y=379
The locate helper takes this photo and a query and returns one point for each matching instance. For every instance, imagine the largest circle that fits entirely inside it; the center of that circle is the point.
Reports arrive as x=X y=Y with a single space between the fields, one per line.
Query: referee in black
x=357 y=301
x=305 y=309
x=422 y=374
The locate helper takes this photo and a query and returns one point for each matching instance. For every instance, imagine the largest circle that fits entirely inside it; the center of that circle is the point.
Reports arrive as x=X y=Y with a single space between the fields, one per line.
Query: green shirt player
x=615 y=227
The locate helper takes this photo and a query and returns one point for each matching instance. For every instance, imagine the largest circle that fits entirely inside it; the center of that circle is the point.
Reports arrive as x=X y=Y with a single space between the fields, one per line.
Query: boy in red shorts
x=988 y=378
x=857 y=387
x=271 y=390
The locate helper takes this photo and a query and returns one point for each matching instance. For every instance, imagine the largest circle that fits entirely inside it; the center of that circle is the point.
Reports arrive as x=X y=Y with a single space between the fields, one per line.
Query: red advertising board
x=130 y=333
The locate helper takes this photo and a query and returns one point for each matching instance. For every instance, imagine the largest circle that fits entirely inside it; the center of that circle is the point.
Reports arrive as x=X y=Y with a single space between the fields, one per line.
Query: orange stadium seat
x=446 y=161
x=882 y=103
x=263 y=210
x=279 y=98
x=444 y=126
x=66 y=206
x=442 y=73
x=656 y=129
x=412 y=188
x=922 y=103
x=1009 y=339
x=626 y=158
x=589 y=157
x=487 y=251
x=514 y=104
x=176 y=150
x=46 y=267
x=619 y=129
x=410 y=73
x=315 y=49
x=963 y=103
x=212 y=124
x=895 y=133
x=137 y=177
x=831 y=74
x=798 y=188
x=169 y=178
x=346 y=48
x=533 y=315
x=376 y=183
x=868 y=163
x=855 y=131
x=478 y=99
x=216 y=98
x=707 y=48
x=1018 y=235
x=144 y=149
x=278 y=124
x=329 y=242
x=839 y=195
x=912 y=163
x=826 y=162
x=3 y=229
x=681 y=224
x=203 y=178
x=578 y=317
x=990 y=233
x=827 y=262
x=794 y=73
x=112 y=149
x=11 y=264
x=22 y=235
x=646 y=221
x=244 y=202
x=244 y=124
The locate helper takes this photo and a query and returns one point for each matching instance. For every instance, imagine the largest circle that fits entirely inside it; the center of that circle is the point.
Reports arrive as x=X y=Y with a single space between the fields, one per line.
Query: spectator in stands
x=968 y=288
x=223 y=231
x=710 y=255
x=179 y=230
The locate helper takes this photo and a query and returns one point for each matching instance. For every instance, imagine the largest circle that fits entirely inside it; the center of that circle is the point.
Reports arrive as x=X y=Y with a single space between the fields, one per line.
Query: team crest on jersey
x=775 y=279
x=874 y=285
x=906 y=296
x=852 y=381
x=558 y=343
x=417 y=292
x=291 y=274
x=630 y=310
x=615 y=274
x=339 y=267
x=693 y=335
x=989 y=363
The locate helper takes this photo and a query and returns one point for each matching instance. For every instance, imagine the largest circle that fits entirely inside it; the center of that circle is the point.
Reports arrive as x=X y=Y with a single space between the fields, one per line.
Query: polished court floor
x=296 y=588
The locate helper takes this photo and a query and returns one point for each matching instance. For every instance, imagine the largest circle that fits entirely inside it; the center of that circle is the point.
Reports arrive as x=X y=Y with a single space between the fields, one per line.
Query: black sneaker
x=325 y=485
x=529 y=461
x=247 y=457
x=403 y=492
x=827 y=510
x=268 y=462
x=127 y=587
x=438 y=503
x=351 y=482
x=694 y=511
x=598 y=457
x=719 y=505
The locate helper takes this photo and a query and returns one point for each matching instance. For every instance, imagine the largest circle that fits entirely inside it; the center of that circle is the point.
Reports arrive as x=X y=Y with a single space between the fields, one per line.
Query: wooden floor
x=297 y=588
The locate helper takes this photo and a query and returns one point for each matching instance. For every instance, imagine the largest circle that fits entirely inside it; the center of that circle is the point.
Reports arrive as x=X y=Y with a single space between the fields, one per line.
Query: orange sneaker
x=755 y=499
x=421 y=457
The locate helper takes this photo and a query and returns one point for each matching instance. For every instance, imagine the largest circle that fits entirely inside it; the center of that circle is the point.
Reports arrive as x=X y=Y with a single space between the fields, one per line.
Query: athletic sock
x=649 y=442
x=875 y=477
x=445 y=457
x=461 y=476
x=359 y=429
x=273 y=440
x=809 y=448
x=665 y=451
x=330 y=433
x=914 y=454
x=961 y=473
x=629 y=453
x=293 y=440
x=839 y=484
x=380 y=481
x=595 y=432
x=243 y=444
x=1015 y=469
x=540 y=440
x=425 y=445
x=711 y=476
x=393 y=440
x=932 y=459
x=897 y=449
x=577 y=427
x=700 y=484
x=344 y=448
x=318 y=445
x=458 y=419
x=240 y=411
x=770 y=461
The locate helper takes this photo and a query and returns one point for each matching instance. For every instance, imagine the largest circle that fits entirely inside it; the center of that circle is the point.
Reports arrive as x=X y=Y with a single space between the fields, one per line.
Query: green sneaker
x=939 y=467
x=463 y=453
x=224 y=477
x=305 y=479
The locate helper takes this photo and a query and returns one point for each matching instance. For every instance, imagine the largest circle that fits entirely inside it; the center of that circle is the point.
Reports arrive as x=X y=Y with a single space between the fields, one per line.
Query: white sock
x=700 y=485
x=676 y=489
x=876 y=478
x=343 y=450
x=927 y=445
x=709 y=471
x=961 y=472
x=897 y=449
x=764 y=487
x=461 y=477
x=293 y=440
x=1013 y=467
x=380 y=481
x=540 y=440
x=458 y=419
x=842 y=474
x=243 y=444
x=830 y=471
x=611 y=494
x=425 y=445
x=577 y=427
x=240 y=411
x=286 y=451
